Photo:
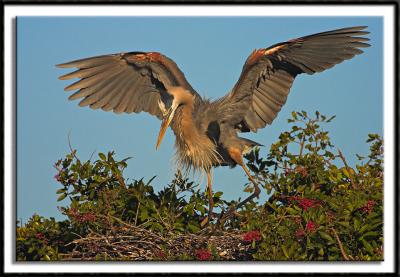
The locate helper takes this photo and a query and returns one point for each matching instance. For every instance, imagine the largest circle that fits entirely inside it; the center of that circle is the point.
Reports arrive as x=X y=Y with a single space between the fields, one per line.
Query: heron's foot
x=255 y=194
x=224 y=216
x=233 y=210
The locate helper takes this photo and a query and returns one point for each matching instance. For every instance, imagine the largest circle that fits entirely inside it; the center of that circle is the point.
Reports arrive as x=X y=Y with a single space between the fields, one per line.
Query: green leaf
x=357 y=224
x=344 y=223
x=285 y=252
x=346 y=173
x=368 y=247
x=61 y=197
x=151 y=179
x=193 y=228
x=369 y=234
x=91 y=195
x=325 y=236
x=61 y=191
x=331 y=118
x=102 y=156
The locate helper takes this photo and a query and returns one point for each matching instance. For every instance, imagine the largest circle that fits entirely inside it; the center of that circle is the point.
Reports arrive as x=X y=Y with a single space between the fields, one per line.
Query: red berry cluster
x=305 y=203
x=40 y=236
x=203 y=255
x=311 y=227
x=300 y=233
x=308 y=203
x=81 y=218
x=368 y=207
x=252 y=236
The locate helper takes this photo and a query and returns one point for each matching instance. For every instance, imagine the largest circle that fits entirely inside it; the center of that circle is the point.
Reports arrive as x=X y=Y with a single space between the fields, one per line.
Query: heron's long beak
x=165 y=123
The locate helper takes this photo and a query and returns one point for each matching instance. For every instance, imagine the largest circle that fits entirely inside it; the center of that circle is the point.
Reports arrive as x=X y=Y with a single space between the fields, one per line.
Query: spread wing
x=126 y=82
x=268 y=74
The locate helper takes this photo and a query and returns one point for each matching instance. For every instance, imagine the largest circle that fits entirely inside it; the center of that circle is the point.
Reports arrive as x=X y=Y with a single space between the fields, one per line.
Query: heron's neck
x=189 y=132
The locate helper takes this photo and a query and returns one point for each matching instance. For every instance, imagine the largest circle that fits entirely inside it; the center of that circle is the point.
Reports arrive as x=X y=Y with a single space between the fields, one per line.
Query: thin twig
x=135 y=227
x=280 y=220
x=137 y=213
x=137 y=241
x=340 y=245
x=76 y=234
x=301 y=146
x=69 y=145
x=91 y=155
x=353 y=184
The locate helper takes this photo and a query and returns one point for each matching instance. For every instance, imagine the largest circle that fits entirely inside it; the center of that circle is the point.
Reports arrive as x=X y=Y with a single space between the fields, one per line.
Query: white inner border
x=11 y=11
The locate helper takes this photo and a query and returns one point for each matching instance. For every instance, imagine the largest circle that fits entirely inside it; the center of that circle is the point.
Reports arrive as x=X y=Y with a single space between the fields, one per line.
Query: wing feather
x=259 y=111
x=89 y=81
x=125 y=82
x=268 y=107
x=129 y=95
x=87 y=72
x=268 y=98
x=268 y=74
x=105 y=93
x=122 y=88
x=89 y=62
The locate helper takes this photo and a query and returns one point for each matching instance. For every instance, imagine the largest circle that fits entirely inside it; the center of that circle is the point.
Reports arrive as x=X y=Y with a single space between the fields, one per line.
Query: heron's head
x=181 y=97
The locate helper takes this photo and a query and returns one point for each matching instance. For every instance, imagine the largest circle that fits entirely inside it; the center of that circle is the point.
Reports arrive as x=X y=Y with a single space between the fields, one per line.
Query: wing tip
x=64 y=65
x=70 y=87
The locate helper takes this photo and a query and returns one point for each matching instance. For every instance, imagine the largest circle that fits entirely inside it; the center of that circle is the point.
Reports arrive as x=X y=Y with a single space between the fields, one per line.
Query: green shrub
x=43 y=239
x=320 y=208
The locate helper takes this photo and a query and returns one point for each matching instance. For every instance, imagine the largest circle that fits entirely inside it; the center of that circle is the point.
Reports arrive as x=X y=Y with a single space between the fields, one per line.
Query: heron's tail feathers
x=249 y=145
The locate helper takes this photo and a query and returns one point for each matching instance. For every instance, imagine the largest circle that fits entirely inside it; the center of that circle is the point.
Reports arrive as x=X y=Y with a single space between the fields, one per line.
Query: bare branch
x=353 y=184
x=340 y=245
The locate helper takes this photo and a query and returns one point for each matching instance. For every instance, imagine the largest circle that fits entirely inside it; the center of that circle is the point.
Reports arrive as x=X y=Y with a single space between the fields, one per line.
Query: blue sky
x=211 y=53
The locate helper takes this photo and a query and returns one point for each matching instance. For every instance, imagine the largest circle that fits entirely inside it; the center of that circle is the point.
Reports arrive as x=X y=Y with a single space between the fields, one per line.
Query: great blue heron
x=207 y=131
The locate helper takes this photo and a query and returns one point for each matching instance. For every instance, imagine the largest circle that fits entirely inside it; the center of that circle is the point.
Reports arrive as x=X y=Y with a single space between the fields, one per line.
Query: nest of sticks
x=130 y=243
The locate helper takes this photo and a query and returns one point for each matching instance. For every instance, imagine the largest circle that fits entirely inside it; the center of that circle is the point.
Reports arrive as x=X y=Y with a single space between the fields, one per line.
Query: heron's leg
x=211 y=201
x=236 y=155
x=256 y=192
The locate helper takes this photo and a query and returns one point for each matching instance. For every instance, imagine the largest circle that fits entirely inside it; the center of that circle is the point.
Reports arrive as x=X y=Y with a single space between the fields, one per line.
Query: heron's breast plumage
x=194 y=150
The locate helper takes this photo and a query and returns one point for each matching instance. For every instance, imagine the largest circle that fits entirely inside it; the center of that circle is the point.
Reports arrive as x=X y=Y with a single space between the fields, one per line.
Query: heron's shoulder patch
x=147 y=57
x=255 y=56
